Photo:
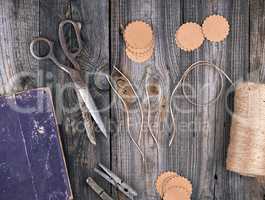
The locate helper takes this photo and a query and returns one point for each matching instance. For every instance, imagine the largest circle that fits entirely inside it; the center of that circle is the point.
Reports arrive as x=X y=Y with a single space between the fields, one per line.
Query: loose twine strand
x=148 y=120
x=141 y=111
x=138 y=101
x=246 y=151
x=127 y=112
x=181 y=84
x=149 y=112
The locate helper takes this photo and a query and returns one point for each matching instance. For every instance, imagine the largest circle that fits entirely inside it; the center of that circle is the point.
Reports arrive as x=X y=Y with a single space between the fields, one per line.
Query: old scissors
x=113 y=179
x=86 y=102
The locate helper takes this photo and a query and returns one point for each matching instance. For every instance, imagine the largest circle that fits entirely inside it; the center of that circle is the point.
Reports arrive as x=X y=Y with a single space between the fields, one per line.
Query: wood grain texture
x=257 y=30
x=199 y=149
x=19 y=23
x=126 y=160
x=236 y=65
x=256 y=61
x=94 y=16
x=81 y=155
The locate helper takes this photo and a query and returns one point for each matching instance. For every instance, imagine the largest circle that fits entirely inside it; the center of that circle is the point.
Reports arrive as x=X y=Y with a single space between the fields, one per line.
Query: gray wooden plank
x=192 y=153
x=199 y=150
x=19 y=22
x=256 y=62
x=230 y=185
x=51 y=13
x=237 y=58
x=81 y=155
x=234 y=60
x=126 y=160
x=257 y=30
x=94 y=16
x=23 y=20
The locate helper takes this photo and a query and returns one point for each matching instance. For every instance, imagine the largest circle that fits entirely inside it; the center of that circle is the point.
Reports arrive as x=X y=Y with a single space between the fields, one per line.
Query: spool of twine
x=246 y=151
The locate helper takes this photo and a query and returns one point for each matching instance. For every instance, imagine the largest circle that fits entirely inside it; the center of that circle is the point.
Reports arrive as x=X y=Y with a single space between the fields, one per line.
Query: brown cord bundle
x=246 y=152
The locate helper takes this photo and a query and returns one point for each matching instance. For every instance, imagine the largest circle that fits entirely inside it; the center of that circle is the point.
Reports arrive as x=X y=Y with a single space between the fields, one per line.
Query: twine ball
x=246 y=151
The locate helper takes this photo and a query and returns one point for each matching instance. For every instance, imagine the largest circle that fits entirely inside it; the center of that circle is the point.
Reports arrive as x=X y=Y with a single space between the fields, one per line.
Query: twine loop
x=182 y=81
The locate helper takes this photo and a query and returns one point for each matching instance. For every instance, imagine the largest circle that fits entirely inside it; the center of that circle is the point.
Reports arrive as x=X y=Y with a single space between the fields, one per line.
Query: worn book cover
x=32 y=165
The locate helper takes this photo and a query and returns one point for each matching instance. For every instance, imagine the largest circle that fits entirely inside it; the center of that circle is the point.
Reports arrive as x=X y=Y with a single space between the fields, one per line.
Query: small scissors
x=85 y=99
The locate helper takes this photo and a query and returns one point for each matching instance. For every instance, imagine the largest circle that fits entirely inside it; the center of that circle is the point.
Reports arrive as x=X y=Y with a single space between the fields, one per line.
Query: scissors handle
x=49 y=43
x=49 y=55
x=77 y=27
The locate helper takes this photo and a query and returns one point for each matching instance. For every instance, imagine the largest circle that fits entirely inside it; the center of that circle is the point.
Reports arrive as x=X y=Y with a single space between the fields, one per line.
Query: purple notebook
x=32 y=165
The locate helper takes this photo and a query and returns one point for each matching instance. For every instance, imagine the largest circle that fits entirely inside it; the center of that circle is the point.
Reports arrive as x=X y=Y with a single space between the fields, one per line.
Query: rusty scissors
x=86 y=102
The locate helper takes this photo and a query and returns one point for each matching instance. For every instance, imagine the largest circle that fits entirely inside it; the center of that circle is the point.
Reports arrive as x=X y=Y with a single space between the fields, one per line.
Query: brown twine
x=181 y=84
x=127 y=112
x=246 y=151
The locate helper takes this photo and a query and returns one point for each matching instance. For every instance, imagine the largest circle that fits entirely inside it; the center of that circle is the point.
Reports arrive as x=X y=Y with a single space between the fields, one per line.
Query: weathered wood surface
x=81 y=156
x=199 y=149
x=21 y=21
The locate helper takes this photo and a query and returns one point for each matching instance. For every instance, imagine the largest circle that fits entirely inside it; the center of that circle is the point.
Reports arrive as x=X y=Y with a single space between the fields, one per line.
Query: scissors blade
x=84 y=93
x=87 y=120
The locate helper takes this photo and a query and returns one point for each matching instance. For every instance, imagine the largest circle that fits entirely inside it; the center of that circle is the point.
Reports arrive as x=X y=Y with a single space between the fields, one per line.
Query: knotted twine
x=246 y=151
